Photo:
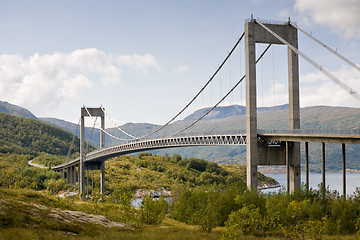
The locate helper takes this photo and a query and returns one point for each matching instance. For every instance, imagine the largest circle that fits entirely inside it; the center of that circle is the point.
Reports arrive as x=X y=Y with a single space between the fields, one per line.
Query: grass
x=28 y=214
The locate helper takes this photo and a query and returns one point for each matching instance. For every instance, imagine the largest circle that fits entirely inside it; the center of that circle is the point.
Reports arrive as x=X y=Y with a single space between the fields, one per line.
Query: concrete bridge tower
x=259 y=153
x=88 y=112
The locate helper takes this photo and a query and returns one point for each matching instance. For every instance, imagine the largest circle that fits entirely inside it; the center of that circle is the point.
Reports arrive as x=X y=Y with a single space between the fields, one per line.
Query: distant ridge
x=229 y=111
x=15 y=110
x=228 y=118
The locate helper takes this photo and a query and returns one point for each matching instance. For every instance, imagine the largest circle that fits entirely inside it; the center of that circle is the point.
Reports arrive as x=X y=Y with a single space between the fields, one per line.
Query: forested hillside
x=29 y=136
x=148 y=171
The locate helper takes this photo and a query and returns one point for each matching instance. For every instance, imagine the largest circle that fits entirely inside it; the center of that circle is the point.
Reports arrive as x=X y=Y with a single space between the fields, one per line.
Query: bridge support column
x=294 y=107
x=69 y=176
x=92 y=181
x=287 y=167
x=307 y=166
x=344 y=170
x=256 y=33
x=87 y=182
x=73 y=175
x=323 y=167
x=77 y=176
x=82 y=154
x=102 y=177
x=251 y=114
x=102 y=166
x=90 y=112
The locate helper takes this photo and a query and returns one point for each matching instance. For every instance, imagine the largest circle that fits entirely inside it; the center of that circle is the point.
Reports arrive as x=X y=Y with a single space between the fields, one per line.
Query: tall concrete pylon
x=97 y=112
x=257 y=153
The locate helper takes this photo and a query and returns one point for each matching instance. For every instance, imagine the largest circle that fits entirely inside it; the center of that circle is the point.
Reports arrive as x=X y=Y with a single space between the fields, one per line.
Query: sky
x=144 y=60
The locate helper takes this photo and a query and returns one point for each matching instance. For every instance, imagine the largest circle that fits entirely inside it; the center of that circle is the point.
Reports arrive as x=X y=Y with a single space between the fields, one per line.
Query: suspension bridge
x=270 y=147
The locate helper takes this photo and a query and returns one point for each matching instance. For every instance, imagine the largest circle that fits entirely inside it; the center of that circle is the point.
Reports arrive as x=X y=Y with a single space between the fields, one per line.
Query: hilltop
x=15 y=110
x=222 y=112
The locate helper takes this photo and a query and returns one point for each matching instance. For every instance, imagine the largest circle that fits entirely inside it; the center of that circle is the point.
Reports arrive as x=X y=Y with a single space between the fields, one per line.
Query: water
x=333 y=180
x=137 y=201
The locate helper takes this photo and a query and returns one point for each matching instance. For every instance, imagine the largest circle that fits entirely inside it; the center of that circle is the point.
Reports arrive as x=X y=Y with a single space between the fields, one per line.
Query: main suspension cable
x=72 y=141
x=222 y=99
x=327 y=47
x=201 y=90
x=121 y=130
x=106 y=132
x=348 y=89
x=91 y=134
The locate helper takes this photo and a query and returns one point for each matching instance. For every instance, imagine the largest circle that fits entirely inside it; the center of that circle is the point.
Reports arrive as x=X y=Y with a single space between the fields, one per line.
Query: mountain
x=233 y=117
x=15 y=110
x=30 y=136
x=222 y=112
x=316 y=117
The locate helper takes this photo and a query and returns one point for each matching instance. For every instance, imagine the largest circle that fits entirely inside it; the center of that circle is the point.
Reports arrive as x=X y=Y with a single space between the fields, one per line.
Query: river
x=333 y=180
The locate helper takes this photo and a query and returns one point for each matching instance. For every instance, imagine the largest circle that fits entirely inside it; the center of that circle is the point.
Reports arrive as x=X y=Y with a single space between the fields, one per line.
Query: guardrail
x=311 y=132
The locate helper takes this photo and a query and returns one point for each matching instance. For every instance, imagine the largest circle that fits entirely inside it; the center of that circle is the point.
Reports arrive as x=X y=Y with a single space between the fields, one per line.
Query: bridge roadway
x=158 y=143
x=297 y=135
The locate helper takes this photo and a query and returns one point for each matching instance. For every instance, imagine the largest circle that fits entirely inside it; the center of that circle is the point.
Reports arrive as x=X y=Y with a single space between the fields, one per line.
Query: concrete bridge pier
x=307 y=166
x=68 y=175
x=344 y=169
x=323 y=162
x=102 y=177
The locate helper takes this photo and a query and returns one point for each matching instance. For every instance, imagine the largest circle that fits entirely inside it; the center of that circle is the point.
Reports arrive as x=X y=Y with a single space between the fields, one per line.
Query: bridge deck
x=296 y=135
x=300 y=135
x=160 y=143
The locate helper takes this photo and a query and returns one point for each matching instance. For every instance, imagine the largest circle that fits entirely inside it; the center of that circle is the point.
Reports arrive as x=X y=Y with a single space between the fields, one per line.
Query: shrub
x=246 y=221
x=197 y=164
x=153 y=211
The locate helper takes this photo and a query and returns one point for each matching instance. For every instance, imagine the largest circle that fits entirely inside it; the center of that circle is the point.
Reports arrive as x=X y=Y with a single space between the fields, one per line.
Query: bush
x=197 y=164
x=54 y=186
x=246 y=221
x=153 y=211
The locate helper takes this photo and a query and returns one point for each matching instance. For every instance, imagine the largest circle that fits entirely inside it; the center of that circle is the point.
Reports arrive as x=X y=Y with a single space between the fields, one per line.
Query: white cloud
x=317 y=89
x=340 y=15
x=93 y=61
x=42 y=82
x=139 y=62
x=275 y=95
x=314 y=77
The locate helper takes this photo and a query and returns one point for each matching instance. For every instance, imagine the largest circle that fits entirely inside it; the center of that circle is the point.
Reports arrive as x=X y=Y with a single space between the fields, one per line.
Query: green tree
x=246 y=221
x=153 y=211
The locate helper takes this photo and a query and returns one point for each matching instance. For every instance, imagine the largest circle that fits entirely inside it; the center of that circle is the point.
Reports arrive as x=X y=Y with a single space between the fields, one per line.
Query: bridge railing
x=193 y=134
x=228 y=132
x=311 y=132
